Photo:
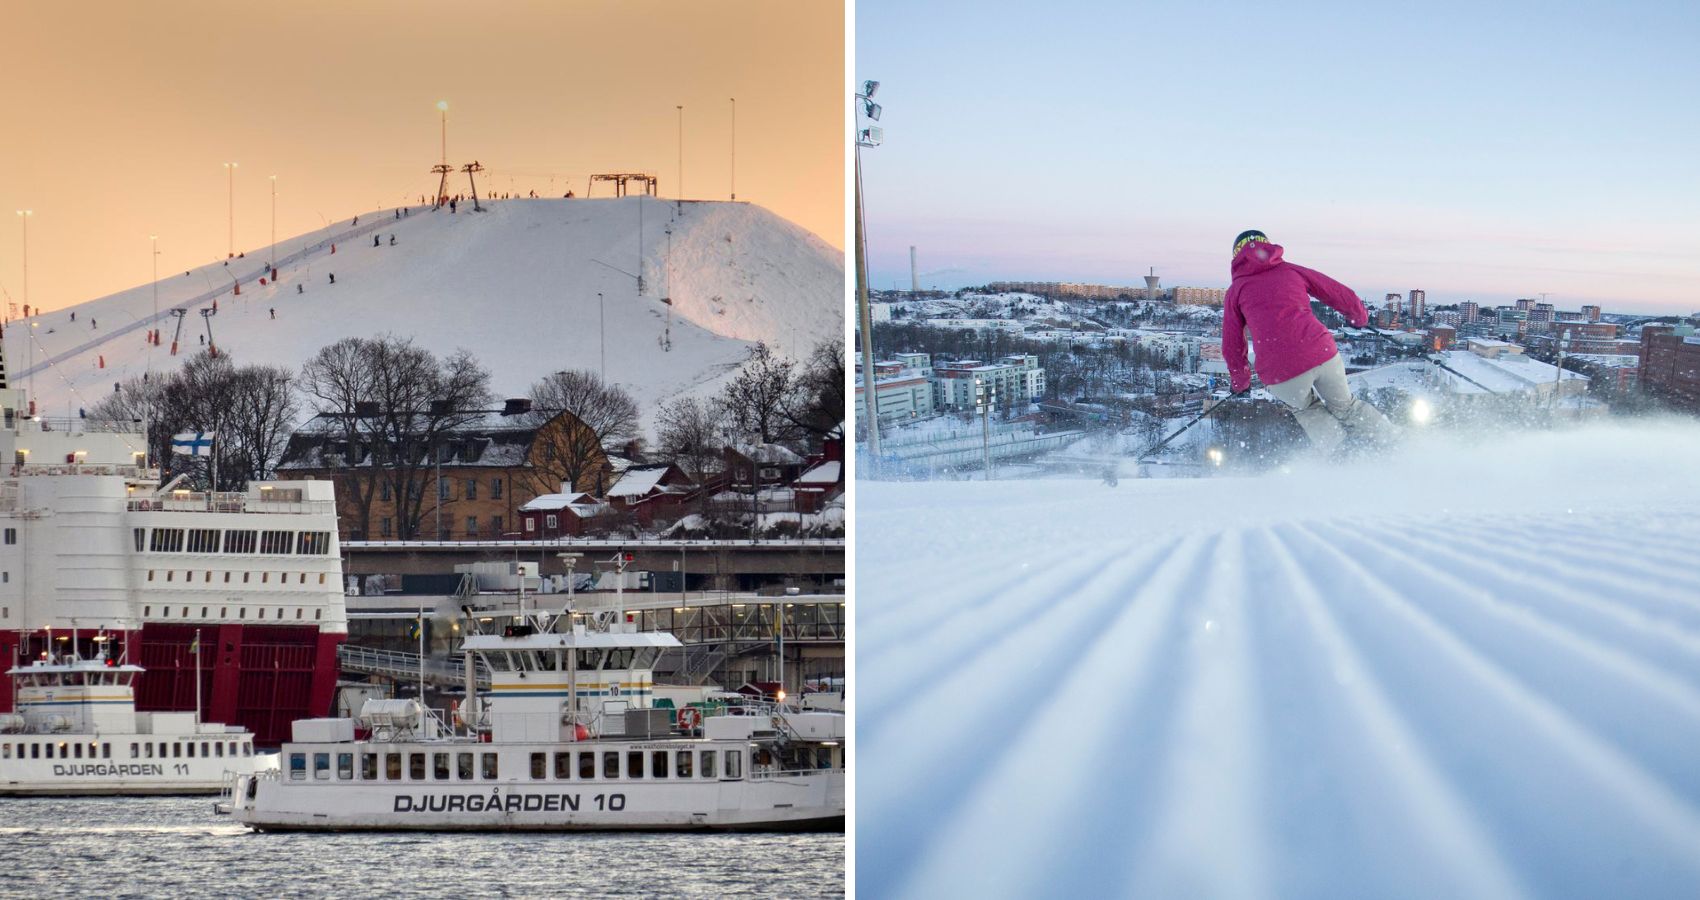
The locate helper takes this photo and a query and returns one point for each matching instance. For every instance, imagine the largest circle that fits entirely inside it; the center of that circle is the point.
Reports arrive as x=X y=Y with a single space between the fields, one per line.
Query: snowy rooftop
x=637 y=482
x=1427 y=676
x=581 y=503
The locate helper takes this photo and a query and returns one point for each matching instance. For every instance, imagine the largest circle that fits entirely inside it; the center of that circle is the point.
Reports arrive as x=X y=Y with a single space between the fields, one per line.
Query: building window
x=495 y=488
x=530 y=524
x=276 y=542
x=472 y=489
x=495 y=524
x=471 y=526
x=443 y=489
x=384 y=526
x=242 y=542
x=551 y=521
x=11 y=535
x=384 y=492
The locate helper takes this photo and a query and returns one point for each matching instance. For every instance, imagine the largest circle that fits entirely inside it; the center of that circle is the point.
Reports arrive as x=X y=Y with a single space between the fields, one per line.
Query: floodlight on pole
x=271 y=261
x=29 y=337
x=734 y=147
x=866 y=137
x=681 y=110
x=230 y=173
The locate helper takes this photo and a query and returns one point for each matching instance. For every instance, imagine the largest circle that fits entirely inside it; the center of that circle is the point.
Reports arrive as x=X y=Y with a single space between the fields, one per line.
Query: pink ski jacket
x=1269 y=299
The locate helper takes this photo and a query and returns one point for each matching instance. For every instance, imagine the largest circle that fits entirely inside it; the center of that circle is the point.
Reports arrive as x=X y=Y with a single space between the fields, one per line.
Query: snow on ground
x=1472 y=670
x=516 y=285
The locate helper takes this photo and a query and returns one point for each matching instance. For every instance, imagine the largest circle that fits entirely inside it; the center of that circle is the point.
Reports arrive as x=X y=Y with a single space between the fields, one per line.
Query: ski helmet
x=1247 y=237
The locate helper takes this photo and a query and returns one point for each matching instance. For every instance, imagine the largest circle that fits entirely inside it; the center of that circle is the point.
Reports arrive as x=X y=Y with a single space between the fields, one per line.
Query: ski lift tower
x=471 y=169
x=442 y=170
x=870 y=136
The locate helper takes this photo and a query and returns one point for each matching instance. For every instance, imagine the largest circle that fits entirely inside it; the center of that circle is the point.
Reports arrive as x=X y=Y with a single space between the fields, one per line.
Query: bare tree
x=394 y=404
x=817 y=400
x=688 y=432
x=757 y=397
x=579 y=455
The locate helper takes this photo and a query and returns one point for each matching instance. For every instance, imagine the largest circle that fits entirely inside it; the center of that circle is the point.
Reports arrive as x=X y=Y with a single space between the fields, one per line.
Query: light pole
x=29 y=336
x=734 y=147
x=602 y=333
x=870 y=136
x=271 y=263
x=230 y=174
x=155 y=239
x=681 y=152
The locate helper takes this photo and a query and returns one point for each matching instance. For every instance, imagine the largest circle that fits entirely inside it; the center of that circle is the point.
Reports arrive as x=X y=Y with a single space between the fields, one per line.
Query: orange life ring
x=689 y=718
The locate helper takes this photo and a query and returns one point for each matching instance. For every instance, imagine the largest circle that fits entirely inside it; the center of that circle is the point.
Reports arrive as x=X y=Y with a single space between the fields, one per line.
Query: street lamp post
x=734 y=147
x=871 y=136
x=681 y=152
x=602 y=333
x=230 y=175
x=29 y=336
x=271 y=263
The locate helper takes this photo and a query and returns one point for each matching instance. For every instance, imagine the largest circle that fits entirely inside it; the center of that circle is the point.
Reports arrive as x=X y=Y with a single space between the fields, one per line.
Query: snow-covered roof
x=579 y=502
x=638 y=482
x=829 y=472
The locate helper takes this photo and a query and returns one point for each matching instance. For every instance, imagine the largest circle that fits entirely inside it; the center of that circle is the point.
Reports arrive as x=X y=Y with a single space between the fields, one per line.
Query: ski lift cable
x=54 y=368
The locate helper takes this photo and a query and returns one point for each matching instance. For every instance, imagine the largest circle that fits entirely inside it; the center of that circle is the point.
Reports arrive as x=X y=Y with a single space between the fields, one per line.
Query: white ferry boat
x=77 y=731
x=92 y=541
x=565 y=739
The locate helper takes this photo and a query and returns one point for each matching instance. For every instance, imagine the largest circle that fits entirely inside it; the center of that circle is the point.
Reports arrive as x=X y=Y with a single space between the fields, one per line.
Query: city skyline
x=125 y=119
x=1391 y=151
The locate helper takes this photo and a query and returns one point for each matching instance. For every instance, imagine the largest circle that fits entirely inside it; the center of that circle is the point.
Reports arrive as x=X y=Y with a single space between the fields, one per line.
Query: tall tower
x=1152 y=289
x=1419 y=303
x=914 y=273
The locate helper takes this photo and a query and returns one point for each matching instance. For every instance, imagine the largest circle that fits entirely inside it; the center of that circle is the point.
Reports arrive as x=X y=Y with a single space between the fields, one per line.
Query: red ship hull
x=262 y=677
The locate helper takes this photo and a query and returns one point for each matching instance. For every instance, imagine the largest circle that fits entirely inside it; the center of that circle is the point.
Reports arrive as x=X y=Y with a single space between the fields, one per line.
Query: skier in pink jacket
x=1297 y=358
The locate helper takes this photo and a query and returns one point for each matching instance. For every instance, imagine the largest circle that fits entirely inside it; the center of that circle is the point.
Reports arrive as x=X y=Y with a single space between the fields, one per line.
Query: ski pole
x=1195 y=420
x=1377 y=332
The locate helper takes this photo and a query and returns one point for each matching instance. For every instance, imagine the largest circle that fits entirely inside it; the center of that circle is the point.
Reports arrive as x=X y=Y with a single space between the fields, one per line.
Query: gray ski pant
x=1323 y=404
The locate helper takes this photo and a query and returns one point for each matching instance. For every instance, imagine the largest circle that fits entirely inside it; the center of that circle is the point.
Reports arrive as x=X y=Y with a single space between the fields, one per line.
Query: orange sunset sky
x=119 y=117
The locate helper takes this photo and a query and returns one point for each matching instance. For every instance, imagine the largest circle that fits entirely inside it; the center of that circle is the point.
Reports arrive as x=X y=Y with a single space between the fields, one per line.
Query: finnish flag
x=193 y=443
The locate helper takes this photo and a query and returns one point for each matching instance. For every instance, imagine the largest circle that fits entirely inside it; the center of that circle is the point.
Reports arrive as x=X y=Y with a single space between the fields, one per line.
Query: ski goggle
x=1249 y=239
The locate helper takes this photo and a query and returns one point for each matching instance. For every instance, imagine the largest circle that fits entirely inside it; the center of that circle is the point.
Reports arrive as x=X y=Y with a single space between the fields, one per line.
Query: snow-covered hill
x=516 y=285
x=1465 y=671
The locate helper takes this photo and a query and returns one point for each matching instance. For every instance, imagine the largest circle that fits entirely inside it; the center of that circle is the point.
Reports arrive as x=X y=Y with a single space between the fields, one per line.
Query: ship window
x=223 y=612
x=163 y=746
x=78 y=748
x=322 y=766
x=302 y=581
x=227 y=576
x=207 y=577
x=176 y=749
x=318 y=614
x=189 y=750
x=275 y=542
x=242 y=613
x=247 y=748
x=262 y=614
x=141 y=538
x=634 y=764
x=658 y=764
x=416 y=766
x=344 y=766
x=170 y=574
x=245 y=577
x=563 y=766
x=166 y=540
x=586 y=765
x=539 y=766
x=297 y=767
x=314 y=543
x=203 y=540
x=203 y=612
x=368 y=767
x=5 y=751
x=463 y=766
x=105 y=750
x=298 y=612
x=611 y=764
x=440 y=766
x=392 y=766
x=683 y=761
x=734 y=764
x=218 y=750
x=11 y=535
x=265 y=577
x=185 y=612
x=135 y=750
x=321 y=578
x=150 y=574
x=488 y=762
x=35 y=751
x=242 y=542
x=708 y=757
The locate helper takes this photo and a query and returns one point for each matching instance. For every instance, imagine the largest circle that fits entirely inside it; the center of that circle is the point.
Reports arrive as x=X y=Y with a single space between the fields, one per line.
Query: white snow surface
x=1470 y=670
x=516 y=285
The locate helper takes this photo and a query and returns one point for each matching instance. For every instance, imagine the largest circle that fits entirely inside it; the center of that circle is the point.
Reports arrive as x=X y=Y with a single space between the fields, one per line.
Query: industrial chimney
x=914 y=274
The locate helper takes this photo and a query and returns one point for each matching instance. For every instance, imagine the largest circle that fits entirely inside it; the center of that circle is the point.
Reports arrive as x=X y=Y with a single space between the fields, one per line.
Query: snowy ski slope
x=1463 y=671
x=516 y=285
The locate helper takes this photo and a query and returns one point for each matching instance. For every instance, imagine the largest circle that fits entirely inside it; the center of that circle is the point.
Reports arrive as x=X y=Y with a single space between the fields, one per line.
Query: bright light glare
x=1421 y=412
x=443 y=105
x=1215 y=455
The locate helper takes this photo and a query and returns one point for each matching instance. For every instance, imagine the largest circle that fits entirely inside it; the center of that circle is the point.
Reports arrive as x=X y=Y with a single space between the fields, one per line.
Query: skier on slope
x=1296 y=356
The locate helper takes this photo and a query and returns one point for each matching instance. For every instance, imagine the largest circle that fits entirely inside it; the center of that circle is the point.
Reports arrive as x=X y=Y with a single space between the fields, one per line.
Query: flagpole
x=420 y=625
x=197 y=654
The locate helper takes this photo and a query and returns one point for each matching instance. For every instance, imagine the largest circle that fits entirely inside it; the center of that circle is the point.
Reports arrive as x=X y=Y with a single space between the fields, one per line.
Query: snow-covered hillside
x=1466 y=671
x=516 y=285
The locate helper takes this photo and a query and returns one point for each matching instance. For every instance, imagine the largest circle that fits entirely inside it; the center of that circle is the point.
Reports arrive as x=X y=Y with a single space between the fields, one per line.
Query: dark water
x=177 y=847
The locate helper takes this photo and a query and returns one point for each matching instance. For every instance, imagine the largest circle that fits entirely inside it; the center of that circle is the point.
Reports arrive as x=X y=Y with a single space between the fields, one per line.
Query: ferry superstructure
x=77 y=732
x=92 y=543
x=565 y=739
